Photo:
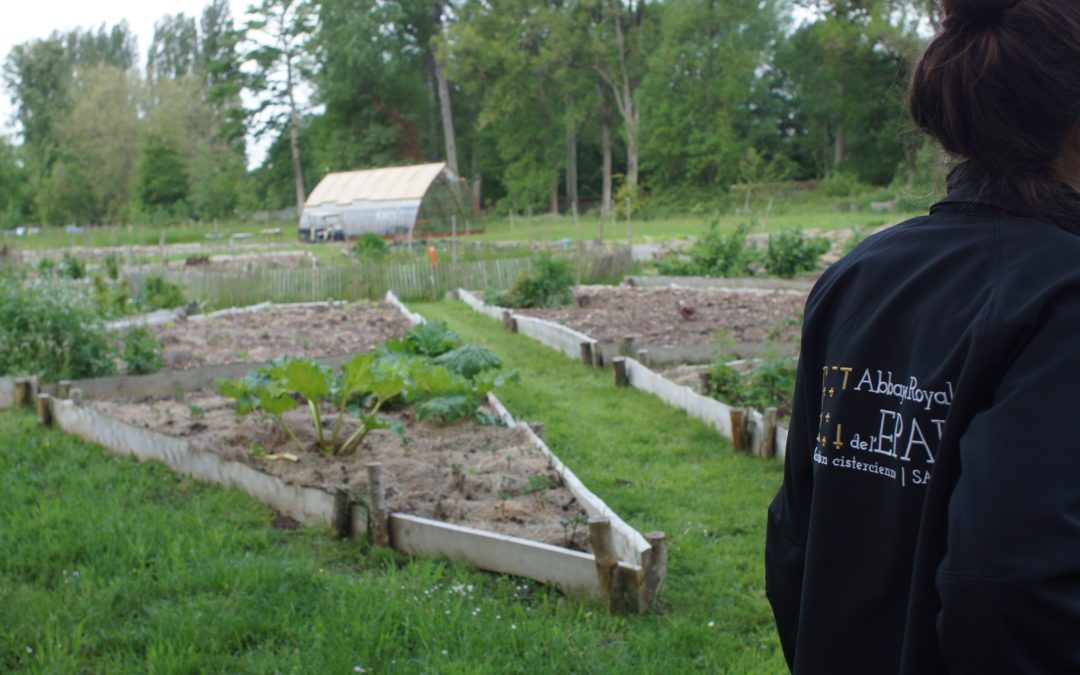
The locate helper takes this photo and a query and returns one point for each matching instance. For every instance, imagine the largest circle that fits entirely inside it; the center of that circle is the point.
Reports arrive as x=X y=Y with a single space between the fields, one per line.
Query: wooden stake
x=63 y=389
x=76 y=395
x=22 y=391
x=586 y=353
x=740 y=438
x=655 y=568
x=377 y=510
x=621 y=378
x=342 y=520
x=628 y=345
x=603 y=546
x=769 y=433
x=507 y=319
x=44 y=410
x=643 y=357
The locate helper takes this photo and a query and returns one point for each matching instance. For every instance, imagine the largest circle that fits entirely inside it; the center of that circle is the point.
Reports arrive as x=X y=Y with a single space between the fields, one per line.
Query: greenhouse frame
x=404 y=203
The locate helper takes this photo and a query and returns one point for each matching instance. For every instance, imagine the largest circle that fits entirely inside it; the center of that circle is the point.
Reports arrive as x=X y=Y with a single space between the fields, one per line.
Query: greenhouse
x=405 y=202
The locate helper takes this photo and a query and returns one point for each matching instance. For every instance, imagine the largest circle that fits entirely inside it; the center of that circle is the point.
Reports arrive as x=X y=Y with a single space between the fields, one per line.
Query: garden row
x=445 y=470
x=653 y=336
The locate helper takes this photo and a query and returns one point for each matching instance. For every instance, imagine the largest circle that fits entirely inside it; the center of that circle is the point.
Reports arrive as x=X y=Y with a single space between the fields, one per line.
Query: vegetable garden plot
x=680 y=325
x=278 y=330
x=464 y=473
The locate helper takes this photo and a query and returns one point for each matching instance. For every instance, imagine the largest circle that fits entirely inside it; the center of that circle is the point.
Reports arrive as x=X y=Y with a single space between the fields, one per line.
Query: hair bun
x=971 y=13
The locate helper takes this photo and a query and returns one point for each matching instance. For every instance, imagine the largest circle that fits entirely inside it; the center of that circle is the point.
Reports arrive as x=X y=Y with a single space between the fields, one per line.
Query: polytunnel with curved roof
x=404 y=202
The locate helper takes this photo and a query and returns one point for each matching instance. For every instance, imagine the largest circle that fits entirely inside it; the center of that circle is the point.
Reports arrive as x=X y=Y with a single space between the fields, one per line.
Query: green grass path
x=107 y=565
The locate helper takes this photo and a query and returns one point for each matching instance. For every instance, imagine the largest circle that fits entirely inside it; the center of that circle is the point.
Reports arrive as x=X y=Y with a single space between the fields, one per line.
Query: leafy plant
x=468 y=361
x=111 y=300
x=716 y=254
x=71 y=267
x=112 y=266
x=49 y=328
x=370 y=246
x=549 y=284
x=431 y=338
x=141 y=351
x=157 y=292
x=287 y=383
x=791 y=252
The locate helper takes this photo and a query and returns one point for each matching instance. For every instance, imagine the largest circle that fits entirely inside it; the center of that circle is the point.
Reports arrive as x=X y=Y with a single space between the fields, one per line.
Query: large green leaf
x=469 y=360
x=307 y=378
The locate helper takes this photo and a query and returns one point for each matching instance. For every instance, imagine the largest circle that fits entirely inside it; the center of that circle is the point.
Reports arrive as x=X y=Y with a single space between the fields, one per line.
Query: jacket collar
x=970 y=190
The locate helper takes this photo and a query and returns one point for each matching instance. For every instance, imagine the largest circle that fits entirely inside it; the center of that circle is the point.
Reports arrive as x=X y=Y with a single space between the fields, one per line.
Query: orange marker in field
x=433 y=255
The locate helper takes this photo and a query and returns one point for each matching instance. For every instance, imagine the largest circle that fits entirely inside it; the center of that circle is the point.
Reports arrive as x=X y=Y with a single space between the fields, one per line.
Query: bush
x=769 y=382
x=842 y=184
x=72 y=268
x=111 y=300
x=112 y=266
x=370 y=246
x=48 y=329
x=788 y=253
x=716 y=254
x=141 y=351
x=549 y=284
x=157 y=292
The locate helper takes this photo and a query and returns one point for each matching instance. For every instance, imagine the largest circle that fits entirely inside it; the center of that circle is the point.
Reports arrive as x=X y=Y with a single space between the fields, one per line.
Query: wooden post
x=769 y=418
x=628 y=345
x=22 y=391
x=507 y=318
x=586 y=353
x=44 y=410
x=76 y=395
x=655 y=568
x=377 y=510
x=342 y=521
x=706 y=382
x=603 y=546
x=63 y=389
x=740 y=438
x=643 y=357
x=621 y=378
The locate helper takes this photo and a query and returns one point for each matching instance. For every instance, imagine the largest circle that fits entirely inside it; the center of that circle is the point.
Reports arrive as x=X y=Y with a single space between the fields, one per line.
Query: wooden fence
x=410 y=281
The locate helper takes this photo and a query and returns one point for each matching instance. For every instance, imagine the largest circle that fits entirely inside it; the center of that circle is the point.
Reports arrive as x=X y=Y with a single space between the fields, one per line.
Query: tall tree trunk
x=433 y=105
x=445 y=107
x=294 y=141
x=477 y=178
x=553 y=205
x=571 y=167
x=840 y=140
x=632 y=126
x=605 y=149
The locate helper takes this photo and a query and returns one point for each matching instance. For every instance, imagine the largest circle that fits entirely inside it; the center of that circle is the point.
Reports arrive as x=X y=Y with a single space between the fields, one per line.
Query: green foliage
x=549 y=284
x=112 y=266
x=112 y=300
x=162 y=181
x=71 y=267
x=443 y=383
x=157 y=292
x=141 y=351
x=48 y=328
x=842 y=184
x=758 y=383
x=431 y=338
x=716 y=254
x=791 y=252
x=370 y=246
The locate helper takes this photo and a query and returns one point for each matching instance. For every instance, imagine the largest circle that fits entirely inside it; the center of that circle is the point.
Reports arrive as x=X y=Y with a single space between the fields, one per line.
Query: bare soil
x=486 y=477
x=669 y=317
x=309 y=330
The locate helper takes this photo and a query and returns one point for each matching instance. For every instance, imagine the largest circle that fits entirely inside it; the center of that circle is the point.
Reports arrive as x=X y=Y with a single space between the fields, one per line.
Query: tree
x=163 y=178
x=174 y=51
x=279 y=31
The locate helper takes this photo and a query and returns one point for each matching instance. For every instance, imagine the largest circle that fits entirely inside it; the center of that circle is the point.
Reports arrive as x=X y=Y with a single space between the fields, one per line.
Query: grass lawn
x=107 y=565
x=150 y=235
x=590 y=226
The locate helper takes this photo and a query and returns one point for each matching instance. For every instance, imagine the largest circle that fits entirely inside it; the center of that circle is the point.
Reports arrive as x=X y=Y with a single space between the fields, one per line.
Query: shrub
x=112 y=266
x=370 y=246
x=141 y=351
x=72 y=268
x=788 y=253
x=842 y=184
x=49 y=329
x=157 y=292
x=549 y=284
x=716 y=254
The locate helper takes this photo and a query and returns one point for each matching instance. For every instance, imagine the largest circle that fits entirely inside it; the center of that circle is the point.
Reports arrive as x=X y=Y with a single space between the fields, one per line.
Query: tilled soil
x=487 y=477
x=670 y=317
x=311 y=330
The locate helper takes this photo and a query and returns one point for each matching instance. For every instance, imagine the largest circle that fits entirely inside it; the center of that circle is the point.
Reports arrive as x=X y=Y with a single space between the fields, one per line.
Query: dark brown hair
x=1000 y=85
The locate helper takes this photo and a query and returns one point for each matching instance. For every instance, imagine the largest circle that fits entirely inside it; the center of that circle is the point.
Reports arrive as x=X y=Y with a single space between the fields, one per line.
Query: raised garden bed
x=488 y=477
x=681 y=325
x=313 y=329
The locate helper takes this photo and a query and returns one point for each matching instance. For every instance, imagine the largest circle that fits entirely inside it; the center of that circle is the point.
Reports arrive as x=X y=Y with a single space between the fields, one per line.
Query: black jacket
x=929 y=518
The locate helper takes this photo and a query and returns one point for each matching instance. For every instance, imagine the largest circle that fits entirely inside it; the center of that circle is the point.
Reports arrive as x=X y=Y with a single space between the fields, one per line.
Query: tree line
x=562 y=105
